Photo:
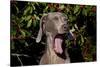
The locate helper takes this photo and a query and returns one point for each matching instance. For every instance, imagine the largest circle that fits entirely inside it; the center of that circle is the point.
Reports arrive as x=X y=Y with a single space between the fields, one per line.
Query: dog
x=54 y=26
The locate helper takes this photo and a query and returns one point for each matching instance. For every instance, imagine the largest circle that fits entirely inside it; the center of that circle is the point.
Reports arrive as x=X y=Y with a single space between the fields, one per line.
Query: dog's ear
x=42 y=27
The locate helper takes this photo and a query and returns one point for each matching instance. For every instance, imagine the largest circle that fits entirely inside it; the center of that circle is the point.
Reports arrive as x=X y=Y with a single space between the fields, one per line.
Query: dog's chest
x=53 y=58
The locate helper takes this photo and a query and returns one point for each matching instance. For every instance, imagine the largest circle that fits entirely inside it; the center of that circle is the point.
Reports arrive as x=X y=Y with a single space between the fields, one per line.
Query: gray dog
x=54 y=26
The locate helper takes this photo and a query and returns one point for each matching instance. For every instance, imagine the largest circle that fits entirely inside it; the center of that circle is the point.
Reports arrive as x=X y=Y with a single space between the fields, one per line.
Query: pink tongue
x=57 y=45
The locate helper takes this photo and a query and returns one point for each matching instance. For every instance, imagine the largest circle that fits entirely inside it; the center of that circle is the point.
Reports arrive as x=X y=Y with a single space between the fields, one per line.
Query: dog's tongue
x=57 y=45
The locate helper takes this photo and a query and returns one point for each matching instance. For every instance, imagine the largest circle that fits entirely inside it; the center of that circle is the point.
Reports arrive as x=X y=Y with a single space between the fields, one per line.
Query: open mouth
x=58 y=40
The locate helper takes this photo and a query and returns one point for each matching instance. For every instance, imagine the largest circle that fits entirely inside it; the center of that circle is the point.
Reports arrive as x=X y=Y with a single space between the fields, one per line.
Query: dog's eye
x=65 y=19
x=56 y=18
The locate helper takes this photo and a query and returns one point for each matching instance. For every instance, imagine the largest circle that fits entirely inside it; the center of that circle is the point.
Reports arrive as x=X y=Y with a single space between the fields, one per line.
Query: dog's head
x=56 y=24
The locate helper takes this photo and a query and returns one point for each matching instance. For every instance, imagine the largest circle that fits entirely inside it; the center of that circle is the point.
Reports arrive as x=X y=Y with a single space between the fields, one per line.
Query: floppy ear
x=41 y=30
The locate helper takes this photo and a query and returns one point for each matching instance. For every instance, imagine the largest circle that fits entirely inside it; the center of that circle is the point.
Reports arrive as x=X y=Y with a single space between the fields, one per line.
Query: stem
x=20 y=60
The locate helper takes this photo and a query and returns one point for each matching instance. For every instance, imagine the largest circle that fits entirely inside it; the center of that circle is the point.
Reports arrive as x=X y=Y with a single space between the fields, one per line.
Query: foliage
x=25 y=17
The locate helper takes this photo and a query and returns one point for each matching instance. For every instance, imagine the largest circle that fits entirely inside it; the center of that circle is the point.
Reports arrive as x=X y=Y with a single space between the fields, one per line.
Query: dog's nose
x=70 y=35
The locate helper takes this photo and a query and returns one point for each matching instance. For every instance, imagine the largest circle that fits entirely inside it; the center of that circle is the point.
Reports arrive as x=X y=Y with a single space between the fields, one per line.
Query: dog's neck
x=50 y=42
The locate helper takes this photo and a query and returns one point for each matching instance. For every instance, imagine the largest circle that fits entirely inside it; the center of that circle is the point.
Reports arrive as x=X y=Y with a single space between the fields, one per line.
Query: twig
x=13 y=54
x=20 y=60
x=17 y=55
x=21 y=38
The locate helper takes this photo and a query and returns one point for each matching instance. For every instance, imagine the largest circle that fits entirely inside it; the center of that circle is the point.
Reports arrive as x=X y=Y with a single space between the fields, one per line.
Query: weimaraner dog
x=54 y=26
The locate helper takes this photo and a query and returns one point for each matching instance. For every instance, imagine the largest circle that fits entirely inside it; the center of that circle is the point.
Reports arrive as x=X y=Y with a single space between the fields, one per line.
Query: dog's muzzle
x=58 y=40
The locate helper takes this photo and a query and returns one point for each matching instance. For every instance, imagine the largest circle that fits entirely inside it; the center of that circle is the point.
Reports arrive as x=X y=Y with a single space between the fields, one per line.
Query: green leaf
x=26 y=44
x=76 y=9
x=84 y=12
x=78 y=13
x=28 y=17
x=61 y=7
x=52 y=9
x=73 y=18
x=29 y=23
x=17 y=9
x=76 y=26
x=37 y=3
x=26 y=11
x=88 y=8
x=46 y=9
x=28 y=33
x=35 y=23
x=13 y=31
x=33 y=6
x=36 y=17
x=82 y=39
x=23 y=33
x=31 y=10
x=22 y=19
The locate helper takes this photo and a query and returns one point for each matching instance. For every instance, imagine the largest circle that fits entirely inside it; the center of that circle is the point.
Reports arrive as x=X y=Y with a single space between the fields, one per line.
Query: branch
x=18 y=38
x=17 y=55
x=21 y=38
x=14 y=54
x=20 y=60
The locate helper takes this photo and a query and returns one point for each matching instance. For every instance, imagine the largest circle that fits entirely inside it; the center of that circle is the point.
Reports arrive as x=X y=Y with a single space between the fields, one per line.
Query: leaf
x=52 y=9
x=73 y=29
x=28 y=33
x=78 y=13
x=13 y=32
x=26 y=11
x=35 y=23
x=31 y=10
x=82 y=39
x=17 y=9
x=76 y=9
x=88 y=8
x=33 y=6
x=29 y=23
x=23 y=33
x=72 y=18
x=84 y=12
x=36 y=17
x=22 y=19
x=46 y=9
x=61 y=7
x=26 y=44
x=37 y=3
x=28 y=17
x=76 y=26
